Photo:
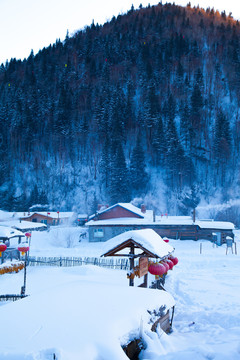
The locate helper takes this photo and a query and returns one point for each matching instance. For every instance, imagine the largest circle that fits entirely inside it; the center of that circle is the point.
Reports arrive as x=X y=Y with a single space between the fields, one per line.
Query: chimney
x=102 y=207
x=143 y=208
x=194 y=215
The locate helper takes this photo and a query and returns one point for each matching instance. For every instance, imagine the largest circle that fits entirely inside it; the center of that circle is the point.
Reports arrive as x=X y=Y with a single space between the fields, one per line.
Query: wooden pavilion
x=142 y=244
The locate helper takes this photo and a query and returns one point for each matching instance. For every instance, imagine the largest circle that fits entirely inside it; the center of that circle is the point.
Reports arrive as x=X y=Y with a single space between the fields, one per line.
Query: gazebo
x=142 y=244
x=7 y=233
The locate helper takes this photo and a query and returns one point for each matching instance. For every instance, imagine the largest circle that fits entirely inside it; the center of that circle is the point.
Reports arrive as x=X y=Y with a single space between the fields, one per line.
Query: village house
x=121 y=217
x=49 y=218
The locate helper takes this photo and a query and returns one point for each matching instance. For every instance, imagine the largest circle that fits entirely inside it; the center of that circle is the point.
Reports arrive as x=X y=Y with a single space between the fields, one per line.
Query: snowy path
x=206 y=289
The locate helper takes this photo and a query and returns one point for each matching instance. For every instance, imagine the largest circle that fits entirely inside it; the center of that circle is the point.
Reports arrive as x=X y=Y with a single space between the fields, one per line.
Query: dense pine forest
x=144 y=108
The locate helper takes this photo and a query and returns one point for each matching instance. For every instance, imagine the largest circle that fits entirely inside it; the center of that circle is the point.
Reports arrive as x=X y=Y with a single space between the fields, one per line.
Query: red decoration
x=28 y=235
x=166 y=265
x=3 y=247
x=166 y=240
x=23 y=248
x=174 y=260
x=170 y=264
x=156 y=269
x=48 y=213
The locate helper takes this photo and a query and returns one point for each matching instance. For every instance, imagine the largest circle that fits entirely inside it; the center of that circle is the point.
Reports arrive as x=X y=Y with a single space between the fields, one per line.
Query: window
x=98 y=233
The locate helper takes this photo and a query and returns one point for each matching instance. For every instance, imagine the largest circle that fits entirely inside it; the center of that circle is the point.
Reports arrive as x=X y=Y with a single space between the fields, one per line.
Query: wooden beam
x=130 y=243
x=131 y=281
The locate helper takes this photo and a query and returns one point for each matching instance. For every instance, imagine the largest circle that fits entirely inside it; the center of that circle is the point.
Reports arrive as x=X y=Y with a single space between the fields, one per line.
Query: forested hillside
x=145 y=107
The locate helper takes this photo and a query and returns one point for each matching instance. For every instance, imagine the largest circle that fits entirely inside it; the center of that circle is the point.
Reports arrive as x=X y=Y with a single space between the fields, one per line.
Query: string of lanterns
x=161 y=268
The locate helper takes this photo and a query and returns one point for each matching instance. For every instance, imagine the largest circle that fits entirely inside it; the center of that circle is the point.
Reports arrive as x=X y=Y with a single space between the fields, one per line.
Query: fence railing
x=11 y=254
x=11 y=297
x=112 y=263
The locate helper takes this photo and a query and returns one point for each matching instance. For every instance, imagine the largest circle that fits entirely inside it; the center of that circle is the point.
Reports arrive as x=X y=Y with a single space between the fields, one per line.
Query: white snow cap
x=8 y=232
x=130 y=207
x=147 y=238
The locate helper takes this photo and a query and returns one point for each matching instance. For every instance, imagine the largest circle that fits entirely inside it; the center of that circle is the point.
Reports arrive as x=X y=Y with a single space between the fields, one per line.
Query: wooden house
x=122 y=217
x=49 y=218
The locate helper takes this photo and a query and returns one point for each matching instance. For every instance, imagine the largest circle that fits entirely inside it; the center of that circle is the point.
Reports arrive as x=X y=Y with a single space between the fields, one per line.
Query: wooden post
x=172 y=316
x=200 y=248
x=235 y=246
x=145 y=281
x=131 y=281
x=23 y=288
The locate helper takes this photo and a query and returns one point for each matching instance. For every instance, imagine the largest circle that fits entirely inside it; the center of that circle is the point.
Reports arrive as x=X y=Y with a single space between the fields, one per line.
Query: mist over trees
x=145 y=106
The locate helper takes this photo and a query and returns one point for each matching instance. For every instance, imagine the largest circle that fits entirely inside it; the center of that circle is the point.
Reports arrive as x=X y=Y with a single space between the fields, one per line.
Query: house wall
x=108 y=233
x=182 y=232
x=115 y=213
x=42 y=219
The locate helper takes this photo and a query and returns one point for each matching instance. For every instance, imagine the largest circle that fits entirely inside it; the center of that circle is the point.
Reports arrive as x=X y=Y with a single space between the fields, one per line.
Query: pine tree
x=176 y=161
x=119 y=180
x=138 y=175
x=196 y=117
x=34 y=196
x=105 y=165
x=158 y=142
x=223 y=138
x=185 y=128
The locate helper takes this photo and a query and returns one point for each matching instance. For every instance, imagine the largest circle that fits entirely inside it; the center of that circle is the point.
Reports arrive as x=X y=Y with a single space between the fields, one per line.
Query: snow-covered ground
x=87 y=312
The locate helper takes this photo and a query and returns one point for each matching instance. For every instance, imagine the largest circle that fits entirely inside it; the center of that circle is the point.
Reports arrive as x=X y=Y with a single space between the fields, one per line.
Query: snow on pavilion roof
x=8 y=232
x=146 y=238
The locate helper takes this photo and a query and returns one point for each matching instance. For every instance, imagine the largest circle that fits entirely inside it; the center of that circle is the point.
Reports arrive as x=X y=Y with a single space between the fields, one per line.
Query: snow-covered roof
x=146 y=238
x=215 y=225
x=120 y=221
x=82 y=216
x=52 y=214
x=8 y=232
x=130 y=207
x=170 y=220
x=23 y=225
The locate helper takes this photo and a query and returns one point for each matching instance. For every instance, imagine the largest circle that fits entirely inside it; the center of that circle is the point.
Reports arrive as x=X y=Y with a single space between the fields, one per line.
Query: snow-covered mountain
x=144 y=107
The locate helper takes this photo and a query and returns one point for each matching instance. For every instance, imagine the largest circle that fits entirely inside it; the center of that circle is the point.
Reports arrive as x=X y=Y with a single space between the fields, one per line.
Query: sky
x=27 y=25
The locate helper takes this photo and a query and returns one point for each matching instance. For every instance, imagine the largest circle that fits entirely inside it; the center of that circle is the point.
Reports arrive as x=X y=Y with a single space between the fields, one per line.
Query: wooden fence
x=112 y=263
x=11 y=297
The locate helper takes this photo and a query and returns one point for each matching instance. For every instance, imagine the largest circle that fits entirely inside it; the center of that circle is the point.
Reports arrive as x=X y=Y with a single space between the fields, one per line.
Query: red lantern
x=23 y=249
x=156 y=269
x=3 y=247
x=28 y=235
x=174 y=260
x=170 y=264
x=166 y=266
